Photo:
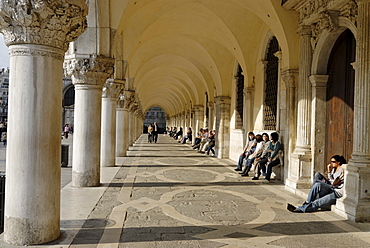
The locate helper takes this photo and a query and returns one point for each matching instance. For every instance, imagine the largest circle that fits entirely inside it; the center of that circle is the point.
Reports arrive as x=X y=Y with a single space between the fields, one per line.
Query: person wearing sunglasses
x=324 y=191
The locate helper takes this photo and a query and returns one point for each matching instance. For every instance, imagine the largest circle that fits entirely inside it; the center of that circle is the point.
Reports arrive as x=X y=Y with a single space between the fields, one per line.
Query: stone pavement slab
x=167 y=195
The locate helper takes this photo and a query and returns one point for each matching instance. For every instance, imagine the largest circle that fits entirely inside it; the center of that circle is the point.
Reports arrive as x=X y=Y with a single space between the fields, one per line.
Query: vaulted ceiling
x=177 y=50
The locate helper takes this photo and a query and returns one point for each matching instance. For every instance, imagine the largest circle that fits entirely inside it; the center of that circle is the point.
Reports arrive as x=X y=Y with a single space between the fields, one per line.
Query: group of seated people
x=204 y=142
x=262 y=152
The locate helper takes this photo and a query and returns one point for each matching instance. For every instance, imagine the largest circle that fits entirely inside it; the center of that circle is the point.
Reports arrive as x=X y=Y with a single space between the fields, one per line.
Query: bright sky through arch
x=4 y=56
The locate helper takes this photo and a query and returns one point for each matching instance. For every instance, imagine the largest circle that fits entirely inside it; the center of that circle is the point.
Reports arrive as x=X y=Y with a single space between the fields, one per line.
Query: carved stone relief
x=328 y=21
x=52 y=23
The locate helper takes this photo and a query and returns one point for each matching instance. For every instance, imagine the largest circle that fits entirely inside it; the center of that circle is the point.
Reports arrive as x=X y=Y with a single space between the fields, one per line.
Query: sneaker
x=245 y=175
x=294 y=209
x=237 y=169
x=255 y=178
x=265 y=181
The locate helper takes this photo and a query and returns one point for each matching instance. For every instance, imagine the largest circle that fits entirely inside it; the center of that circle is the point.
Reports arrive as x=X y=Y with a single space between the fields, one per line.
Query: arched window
x=239 y=105
x=69 y=97
x=271 y=86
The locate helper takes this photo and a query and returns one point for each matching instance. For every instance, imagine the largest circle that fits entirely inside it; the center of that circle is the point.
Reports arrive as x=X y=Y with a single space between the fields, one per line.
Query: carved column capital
x=42 y=22
x=89 y=71
x=112 y=88
x=319 y=81
x=304 y=30
x=198 y=108
x=289 y=77
x=222 y=100
x=126 y=99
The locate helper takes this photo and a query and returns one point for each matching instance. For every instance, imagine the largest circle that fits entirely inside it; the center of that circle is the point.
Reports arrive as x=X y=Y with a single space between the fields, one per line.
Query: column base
x=355 y=203
x=86 y=179
x=30 y=232
x=300 y=171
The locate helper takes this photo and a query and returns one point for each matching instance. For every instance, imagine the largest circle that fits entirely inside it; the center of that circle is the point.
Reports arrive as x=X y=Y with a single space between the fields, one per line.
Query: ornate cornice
x=112 y=89
x=94 y=70
x=43 y=22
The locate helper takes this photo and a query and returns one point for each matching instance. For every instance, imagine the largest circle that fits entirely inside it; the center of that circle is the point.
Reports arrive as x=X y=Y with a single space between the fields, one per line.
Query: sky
x=4 y=56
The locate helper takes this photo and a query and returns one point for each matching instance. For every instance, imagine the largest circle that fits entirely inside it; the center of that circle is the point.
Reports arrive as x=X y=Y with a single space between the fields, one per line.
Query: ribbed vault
x=176 y=50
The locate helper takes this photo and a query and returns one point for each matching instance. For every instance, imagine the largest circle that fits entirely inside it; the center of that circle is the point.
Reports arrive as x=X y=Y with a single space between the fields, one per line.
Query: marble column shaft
x=304 y=90
x=111 y=91
x=199 y=118
x=32 y=194
x=223 y=104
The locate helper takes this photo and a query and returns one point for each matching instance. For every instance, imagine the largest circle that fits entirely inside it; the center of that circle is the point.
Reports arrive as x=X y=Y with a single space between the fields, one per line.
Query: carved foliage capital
x=86 y=71
x=43 y=22
x=112 y=89
x=289 y=77
x=126 y=99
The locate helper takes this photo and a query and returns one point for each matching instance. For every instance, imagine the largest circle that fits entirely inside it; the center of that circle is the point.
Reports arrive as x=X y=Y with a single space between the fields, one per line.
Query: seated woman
x=257 y=153
x=272 y=157
x=324 y=191
x=188 y=136
x=248 y=150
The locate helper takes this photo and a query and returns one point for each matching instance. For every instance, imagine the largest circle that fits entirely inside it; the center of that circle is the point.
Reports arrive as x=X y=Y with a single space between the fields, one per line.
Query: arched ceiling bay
x=179 y=49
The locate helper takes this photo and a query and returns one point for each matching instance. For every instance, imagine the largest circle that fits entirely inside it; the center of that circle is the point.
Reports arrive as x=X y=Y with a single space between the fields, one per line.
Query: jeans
x=188 y=136
x=240 y=162
x=269 y=168
x=260 y=166
x=210 y=148
x=248 y=165
x=321 y=195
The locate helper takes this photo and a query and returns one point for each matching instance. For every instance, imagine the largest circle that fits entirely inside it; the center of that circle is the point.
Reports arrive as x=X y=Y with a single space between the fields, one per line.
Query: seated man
x=324 y=192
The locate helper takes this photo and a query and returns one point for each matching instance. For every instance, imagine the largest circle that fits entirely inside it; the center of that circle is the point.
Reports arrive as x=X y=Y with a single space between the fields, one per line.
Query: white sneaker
x=265 y=181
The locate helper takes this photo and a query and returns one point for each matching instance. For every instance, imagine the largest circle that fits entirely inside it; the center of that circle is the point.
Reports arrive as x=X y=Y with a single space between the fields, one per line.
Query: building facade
x=4 y=92
x=298 y=67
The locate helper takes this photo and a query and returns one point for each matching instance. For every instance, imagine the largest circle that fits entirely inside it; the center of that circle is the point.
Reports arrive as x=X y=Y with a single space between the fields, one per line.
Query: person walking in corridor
x=155 y=132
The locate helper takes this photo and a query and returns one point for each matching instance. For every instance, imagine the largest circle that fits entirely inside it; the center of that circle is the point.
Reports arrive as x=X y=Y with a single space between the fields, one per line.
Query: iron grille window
x=271 y=86
x=239 y=98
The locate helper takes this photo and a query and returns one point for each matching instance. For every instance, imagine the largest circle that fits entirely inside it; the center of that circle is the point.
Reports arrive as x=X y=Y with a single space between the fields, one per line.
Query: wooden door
x=340 y=97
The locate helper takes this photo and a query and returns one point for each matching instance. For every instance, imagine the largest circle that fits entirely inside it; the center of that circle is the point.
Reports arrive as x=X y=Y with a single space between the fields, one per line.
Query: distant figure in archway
x=155 y=132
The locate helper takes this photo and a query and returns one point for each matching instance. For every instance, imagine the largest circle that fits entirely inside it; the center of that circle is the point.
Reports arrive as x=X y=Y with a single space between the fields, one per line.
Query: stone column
x=301 y=158
x=123 y=119
x=319 y=86
x=248 y=108
x=32 y=204
x=111 y=90
x=133 y=108
x=199 y=117
x=289 y=77
x=223 y=126
x=212 y=117
x=355 y=204
x=88 y=75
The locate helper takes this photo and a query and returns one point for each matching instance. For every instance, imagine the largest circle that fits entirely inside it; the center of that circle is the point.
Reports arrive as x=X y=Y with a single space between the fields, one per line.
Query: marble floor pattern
x=167 y=195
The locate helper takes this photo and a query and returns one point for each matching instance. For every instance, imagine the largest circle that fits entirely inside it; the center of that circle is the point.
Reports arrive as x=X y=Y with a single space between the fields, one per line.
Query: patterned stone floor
x=166 y=195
